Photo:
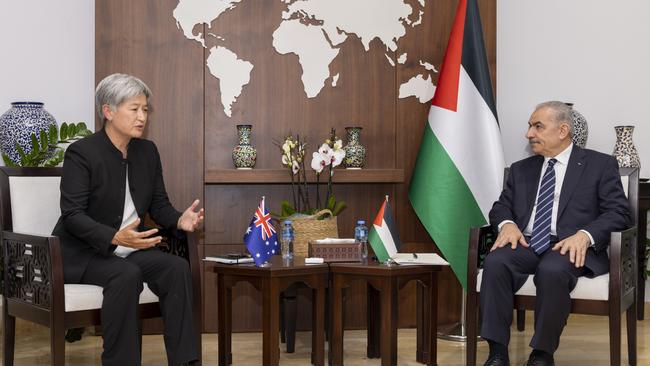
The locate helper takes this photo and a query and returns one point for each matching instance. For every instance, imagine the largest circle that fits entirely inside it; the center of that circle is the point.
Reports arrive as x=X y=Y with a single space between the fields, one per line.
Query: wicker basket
x=308 y=228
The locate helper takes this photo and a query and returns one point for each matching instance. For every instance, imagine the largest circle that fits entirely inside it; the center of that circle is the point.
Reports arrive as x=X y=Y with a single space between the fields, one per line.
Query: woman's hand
x=130 y=237
x=190 y=220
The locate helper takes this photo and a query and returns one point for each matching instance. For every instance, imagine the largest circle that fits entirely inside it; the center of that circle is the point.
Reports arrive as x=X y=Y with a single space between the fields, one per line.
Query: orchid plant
x=329 y=155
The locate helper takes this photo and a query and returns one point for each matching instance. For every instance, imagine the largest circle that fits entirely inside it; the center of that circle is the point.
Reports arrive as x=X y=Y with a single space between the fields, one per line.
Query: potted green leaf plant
x=47 y=149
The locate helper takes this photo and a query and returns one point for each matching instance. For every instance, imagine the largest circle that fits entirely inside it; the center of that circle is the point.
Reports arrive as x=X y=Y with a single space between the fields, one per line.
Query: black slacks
x=168 y=276
x=505 y=271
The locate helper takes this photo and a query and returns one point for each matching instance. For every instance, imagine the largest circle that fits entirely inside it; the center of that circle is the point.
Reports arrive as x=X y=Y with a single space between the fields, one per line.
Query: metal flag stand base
x=456 y=332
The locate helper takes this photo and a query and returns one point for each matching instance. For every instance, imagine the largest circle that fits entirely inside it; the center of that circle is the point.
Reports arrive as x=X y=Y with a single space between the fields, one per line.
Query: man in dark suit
x=554 y=219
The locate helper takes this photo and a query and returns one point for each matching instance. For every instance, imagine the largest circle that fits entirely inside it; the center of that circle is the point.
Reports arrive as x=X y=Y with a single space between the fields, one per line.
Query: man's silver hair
x=561 y=111
x=115 y=89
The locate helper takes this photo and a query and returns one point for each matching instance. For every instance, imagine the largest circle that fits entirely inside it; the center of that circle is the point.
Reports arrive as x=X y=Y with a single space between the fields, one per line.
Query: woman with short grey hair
x=110 y=181
x=114 y=89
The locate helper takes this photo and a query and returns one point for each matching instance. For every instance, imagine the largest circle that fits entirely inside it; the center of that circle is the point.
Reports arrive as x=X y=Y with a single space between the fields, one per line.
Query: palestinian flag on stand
x=459 y=169
x=383 y=236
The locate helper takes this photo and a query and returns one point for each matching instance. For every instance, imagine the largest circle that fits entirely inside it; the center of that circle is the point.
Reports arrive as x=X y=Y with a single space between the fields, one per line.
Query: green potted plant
x=48 y=148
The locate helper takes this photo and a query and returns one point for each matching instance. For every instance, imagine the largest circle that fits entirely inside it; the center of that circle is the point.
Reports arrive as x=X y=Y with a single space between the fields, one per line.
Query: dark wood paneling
x=140 y=38
x=195 y=137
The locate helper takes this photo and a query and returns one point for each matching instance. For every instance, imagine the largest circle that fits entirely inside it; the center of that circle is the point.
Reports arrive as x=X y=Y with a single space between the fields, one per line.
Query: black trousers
x=505 y=271
x=168 y=276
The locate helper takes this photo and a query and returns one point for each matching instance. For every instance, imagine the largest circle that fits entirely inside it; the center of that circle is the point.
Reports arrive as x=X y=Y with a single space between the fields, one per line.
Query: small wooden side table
x=271 y=281
x=383 y=285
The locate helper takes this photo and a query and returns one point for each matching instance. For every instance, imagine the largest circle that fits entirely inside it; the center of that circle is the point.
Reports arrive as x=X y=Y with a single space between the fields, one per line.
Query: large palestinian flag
x=383 y=236
x=459 y=169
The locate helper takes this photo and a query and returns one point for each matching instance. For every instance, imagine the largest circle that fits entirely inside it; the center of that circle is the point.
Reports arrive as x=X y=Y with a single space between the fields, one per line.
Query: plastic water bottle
x=287 y=240
x=361 y=238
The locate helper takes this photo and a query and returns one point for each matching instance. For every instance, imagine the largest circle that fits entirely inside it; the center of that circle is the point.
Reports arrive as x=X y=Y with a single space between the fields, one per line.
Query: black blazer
x=92 y=197
x=592 y=198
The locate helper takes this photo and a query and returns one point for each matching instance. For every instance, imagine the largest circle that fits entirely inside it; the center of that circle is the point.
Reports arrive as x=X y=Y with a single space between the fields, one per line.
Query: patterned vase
x=580 y=128
x=244 y=155
x=355 y=153
x=18 y=124
x=624 y=150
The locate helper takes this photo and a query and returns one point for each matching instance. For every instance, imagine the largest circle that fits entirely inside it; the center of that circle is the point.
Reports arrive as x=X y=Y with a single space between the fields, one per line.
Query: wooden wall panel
x=195 y=136
x=138 y=38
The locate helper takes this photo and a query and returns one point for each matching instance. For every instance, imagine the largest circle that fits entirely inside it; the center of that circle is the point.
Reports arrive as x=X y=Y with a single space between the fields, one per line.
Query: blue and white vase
x=18 y=124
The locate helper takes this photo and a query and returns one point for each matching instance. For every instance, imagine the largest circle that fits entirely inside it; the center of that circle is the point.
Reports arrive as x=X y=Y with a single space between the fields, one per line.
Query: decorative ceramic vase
x=18 y=124
x=624 y=150
x=580 y=128
x=244 y=155
x=355 y=153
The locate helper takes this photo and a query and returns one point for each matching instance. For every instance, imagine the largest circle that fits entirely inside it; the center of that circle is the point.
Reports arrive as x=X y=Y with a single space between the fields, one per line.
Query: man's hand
x=509 y=235
x=577 y=245
x=130 y=237
x=190 y=220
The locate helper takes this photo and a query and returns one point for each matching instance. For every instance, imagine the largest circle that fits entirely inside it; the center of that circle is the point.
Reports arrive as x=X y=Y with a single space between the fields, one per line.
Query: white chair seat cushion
x=596 y=288
x=87 y=297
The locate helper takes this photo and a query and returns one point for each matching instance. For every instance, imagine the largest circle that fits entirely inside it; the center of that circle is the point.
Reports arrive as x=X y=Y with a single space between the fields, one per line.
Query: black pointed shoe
x=535 y=360
x=497 y=360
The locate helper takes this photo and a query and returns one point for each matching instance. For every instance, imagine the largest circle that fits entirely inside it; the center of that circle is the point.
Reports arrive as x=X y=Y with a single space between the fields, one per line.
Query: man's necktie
x=541 y=238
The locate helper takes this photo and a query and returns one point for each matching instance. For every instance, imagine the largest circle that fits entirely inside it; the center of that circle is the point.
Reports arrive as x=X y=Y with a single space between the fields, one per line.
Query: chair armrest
x=623 y=266
x=182 y=244
x=480 y=242
x=483 y=239
x=174 y=242
x=33 y=269
x=185 y=245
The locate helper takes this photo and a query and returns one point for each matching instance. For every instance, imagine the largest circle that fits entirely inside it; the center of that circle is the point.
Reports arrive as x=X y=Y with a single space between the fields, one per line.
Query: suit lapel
x=571 y=178
x=534 y=171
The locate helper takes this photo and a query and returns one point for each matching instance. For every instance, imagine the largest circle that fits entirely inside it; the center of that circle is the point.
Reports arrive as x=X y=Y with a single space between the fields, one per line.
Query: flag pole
x=456 y=331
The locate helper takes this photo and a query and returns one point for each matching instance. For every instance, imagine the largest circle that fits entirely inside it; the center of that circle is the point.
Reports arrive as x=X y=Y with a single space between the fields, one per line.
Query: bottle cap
x=361 y=222
x=287 y=222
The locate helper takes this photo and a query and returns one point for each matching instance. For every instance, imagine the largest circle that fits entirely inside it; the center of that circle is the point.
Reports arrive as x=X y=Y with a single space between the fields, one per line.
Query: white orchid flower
x=319 y=161
x=337 y=157
x=286 y=160
x=325 y=149
x=285 y=147
x=295 y=167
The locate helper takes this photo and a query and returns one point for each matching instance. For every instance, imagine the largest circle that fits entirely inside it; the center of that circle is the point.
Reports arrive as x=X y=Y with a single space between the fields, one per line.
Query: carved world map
x=314 y=31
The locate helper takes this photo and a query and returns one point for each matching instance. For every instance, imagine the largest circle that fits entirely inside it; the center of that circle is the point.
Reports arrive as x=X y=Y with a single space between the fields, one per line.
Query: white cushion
x=596 y=288
x=87 y=297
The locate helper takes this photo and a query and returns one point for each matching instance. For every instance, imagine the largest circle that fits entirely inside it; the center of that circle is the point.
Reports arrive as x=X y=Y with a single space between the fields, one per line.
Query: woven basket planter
x=309 y=228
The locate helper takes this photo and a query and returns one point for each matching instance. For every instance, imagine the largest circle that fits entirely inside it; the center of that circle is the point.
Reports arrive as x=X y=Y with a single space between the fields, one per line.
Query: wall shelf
x=281 y=176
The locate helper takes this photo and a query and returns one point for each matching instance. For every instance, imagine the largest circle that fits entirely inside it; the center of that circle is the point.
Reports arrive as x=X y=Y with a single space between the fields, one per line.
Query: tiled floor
x=585 y=341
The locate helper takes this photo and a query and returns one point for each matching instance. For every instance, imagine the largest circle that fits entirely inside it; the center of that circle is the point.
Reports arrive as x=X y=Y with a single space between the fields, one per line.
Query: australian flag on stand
x=260 y=237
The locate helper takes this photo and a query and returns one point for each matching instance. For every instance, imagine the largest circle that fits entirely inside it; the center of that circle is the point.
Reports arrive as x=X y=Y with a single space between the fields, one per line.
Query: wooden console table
x=271 y=281
x=383 y=285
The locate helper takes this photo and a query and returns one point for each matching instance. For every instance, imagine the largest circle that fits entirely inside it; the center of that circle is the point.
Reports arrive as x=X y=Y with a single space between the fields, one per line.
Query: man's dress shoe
x=534 y=360
x=497 y=360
